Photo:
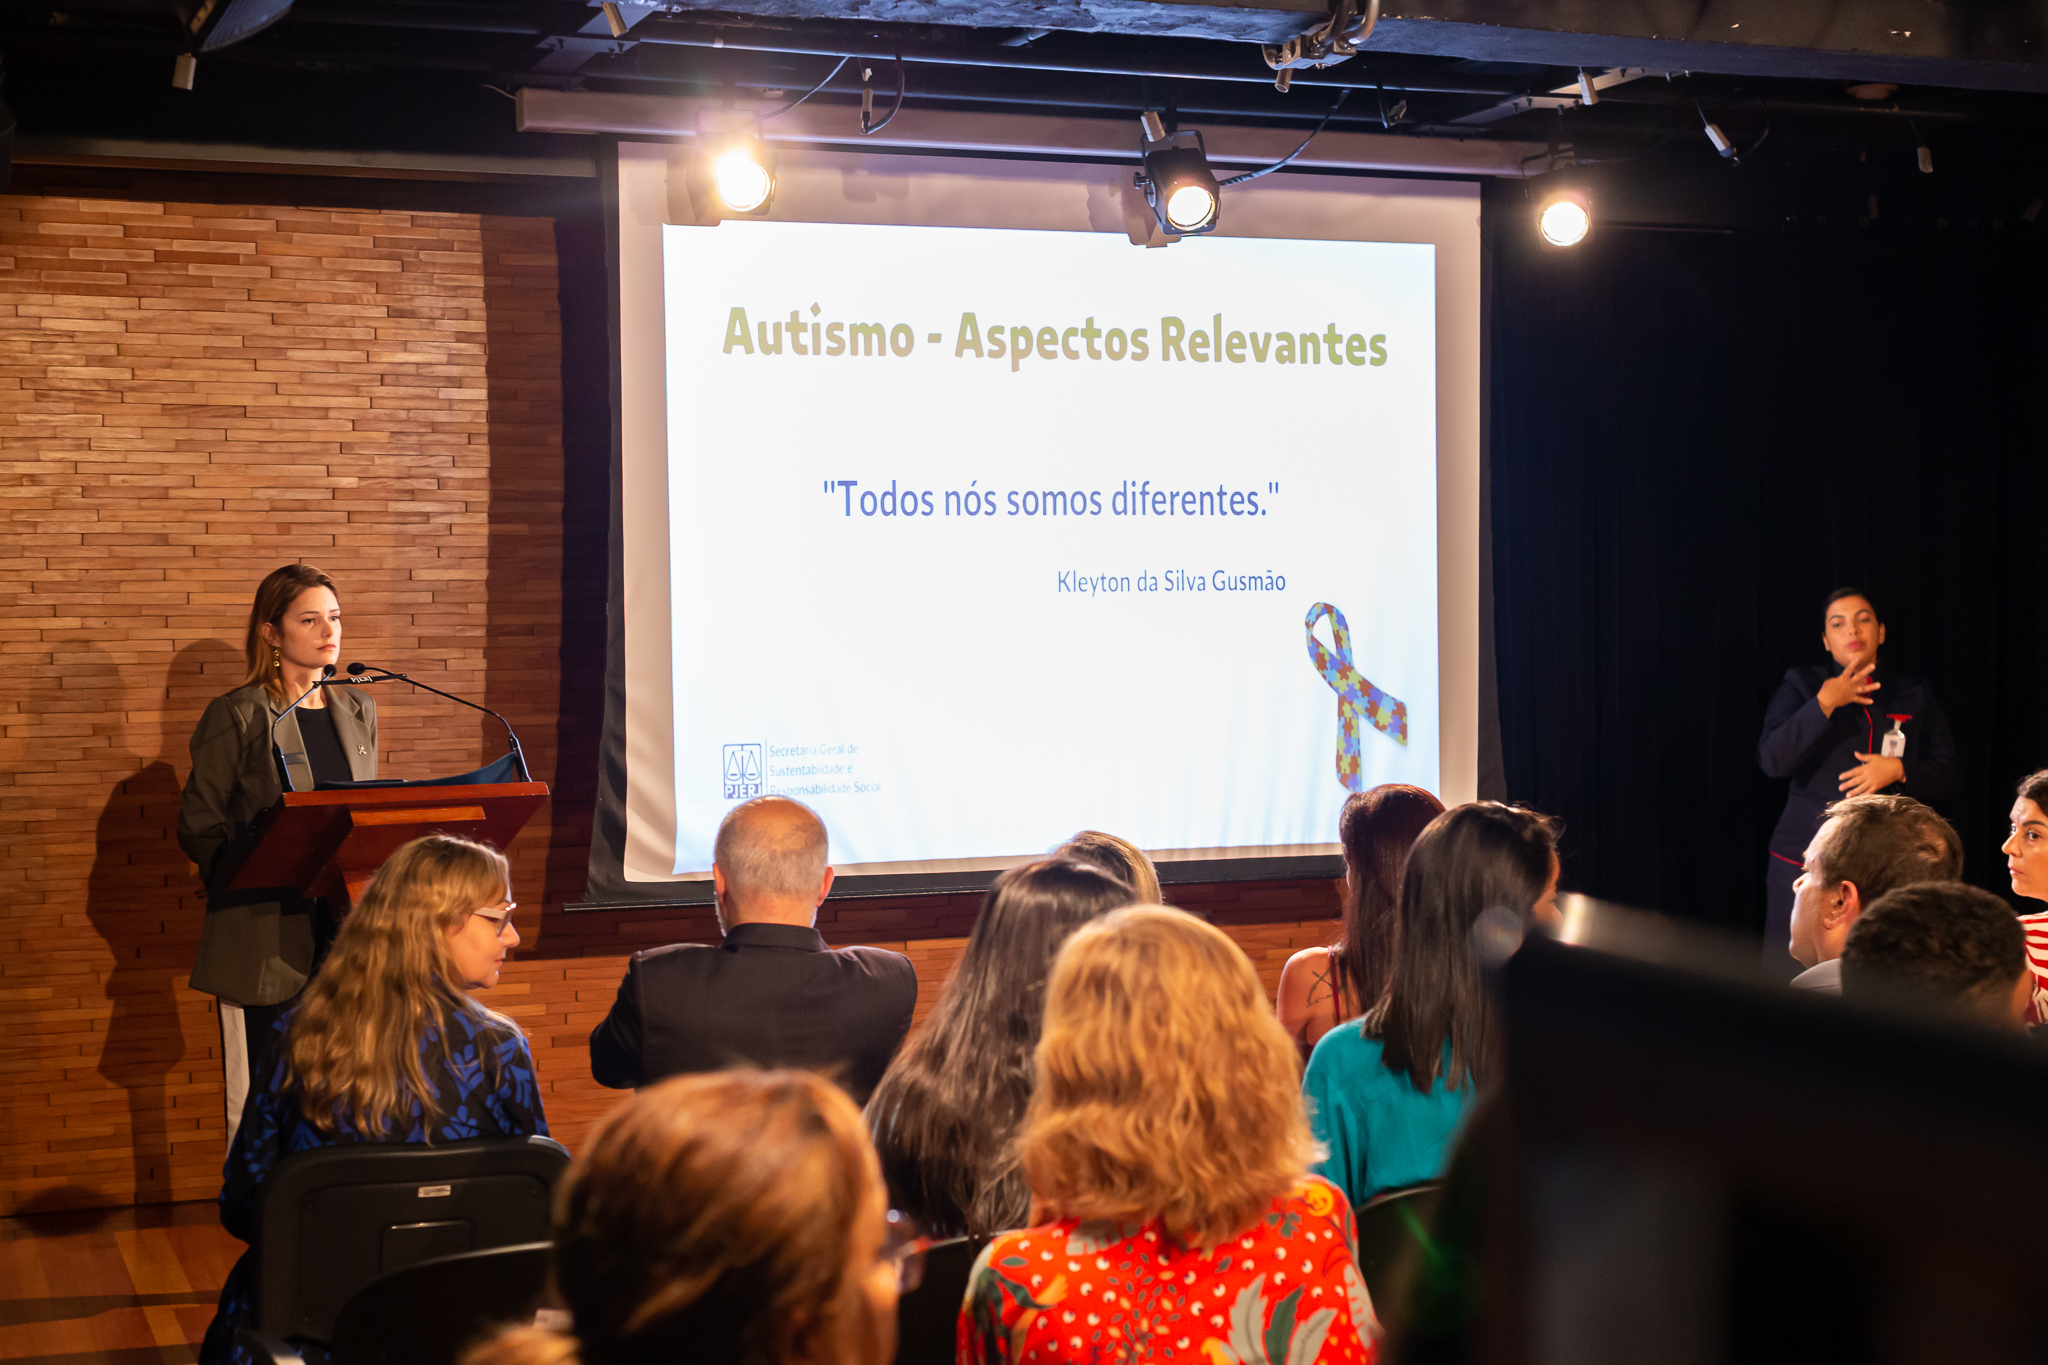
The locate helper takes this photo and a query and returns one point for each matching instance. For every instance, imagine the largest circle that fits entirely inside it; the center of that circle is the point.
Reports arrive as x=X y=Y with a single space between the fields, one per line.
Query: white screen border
x=853 y=187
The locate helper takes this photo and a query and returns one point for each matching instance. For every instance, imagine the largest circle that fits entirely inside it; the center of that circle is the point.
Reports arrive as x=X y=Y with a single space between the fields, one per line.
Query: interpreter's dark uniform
x=1814 y=750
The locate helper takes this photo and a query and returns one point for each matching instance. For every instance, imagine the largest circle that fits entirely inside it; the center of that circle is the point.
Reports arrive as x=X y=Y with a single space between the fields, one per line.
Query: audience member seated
x=1120 y=858
x=1867 y=847
x=1322 y=987
x=387 y=1044
x=772 y=994
x=1943 y=944
x=944 y=1114
x=1167 y=1152
x=2026 y=862
x=1387 y=1094
x=736 y=1218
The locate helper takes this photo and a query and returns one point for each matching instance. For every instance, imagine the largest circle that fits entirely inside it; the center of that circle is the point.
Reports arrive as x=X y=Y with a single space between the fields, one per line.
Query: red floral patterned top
x=1286 y=1291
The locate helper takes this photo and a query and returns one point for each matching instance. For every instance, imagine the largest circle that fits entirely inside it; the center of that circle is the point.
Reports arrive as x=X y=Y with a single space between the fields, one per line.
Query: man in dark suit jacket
x=772 y=994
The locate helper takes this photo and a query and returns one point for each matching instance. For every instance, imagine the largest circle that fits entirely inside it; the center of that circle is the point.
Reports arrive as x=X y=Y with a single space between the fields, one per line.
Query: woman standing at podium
x=255 y=951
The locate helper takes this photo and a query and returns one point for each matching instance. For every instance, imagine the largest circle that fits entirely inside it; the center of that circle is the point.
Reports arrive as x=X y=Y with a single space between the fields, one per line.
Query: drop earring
x=277 y=660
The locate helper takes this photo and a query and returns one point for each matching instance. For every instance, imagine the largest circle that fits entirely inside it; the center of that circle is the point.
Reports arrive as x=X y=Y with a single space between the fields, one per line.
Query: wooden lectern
x=330 y=843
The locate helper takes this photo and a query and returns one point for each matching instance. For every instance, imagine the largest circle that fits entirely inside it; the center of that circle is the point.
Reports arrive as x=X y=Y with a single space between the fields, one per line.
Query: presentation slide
x=979 y=535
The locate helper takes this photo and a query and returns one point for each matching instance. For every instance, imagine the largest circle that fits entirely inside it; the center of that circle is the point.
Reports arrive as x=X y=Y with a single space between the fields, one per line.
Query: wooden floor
x=130 y=1286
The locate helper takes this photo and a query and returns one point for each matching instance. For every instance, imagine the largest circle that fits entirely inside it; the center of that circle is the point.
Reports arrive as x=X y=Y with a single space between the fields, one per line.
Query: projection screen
x=949 y=511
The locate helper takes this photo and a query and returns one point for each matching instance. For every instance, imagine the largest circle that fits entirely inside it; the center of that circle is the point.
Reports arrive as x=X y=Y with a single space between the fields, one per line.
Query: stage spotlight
x=1565 y=218
x=1191 y=207
x=744 y=184
x=1177 y=181
x=732 y=172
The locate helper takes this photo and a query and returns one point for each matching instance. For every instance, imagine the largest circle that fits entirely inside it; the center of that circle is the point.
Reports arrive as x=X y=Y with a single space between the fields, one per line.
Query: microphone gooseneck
x=358 y=669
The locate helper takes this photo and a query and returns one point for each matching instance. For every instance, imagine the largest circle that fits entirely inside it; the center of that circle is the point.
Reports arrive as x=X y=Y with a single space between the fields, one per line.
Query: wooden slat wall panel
x=191 y=394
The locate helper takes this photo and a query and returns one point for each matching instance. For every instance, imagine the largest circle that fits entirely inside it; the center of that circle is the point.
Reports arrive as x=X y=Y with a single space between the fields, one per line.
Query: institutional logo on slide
x=742 y=772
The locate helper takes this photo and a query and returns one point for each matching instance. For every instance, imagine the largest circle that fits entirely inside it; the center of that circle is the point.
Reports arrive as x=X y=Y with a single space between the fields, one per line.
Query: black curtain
x=1693 y=436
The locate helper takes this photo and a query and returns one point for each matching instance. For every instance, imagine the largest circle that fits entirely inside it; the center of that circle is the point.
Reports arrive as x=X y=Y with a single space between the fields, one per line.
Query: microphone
x=355 y=677
x=284 y=776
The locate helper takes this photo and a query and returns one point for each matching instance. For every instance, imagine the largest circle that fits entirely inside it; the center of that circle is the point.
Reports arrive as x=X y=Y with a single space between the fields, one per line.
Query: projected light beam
x=1357 y=699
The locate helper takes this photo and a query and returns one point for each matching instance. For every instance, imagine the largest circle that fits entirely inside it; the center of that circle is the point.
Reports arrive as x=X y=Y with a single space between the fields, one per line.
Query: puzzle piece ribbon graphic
x=1356 y=698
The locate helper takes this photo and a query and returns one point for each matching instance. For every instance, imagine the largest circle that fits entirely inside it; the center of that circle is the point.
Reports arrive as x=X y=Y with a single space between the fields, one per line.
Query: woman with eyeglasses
x=387 y=1043
x=729 y=1216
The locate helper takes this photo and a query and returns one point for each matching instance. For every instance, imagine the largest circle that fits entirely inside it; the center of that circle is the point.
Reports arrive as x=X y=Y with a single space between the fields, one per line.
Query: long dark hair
x=1469 y=859
x=949 y=1104
x=1377 y=828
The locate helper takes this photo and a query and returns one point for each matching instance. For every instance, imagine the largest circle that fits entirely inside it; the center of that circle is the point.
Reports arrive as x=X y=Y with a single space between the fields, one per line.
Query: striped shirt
x=2037 y=962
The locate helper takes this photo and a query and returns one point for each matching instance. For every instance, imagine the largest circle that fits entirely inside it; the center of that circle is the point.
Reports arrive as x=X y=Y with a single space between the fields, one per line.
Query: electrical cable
x=810 y=92
x=1268 y=170
x=894 y=109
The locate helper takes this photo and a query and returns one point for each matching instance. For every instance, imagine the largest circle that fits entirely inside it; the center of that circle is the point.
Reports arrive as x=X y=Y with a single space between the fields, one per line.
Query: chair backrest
x=330 y=1221
x=426 y=1314
x=927 y=1318
x=1393 y=1230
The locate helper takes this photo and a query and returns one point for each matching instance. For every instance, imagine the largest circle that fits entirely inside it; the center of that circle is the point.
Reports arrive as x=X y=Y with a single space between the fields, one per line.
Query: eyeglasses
x=500 y=923
x=905 y=1245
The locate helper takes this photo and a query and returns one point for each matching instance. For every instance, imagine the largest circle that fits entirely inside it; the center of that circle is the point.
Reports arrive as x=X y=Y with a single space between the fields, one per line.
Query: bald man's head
x=771 y=858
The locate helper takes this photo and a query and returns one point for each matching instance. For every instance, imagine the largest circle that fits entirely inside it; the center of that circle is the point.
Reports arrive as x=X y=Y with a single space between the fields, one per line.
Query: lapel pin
x=361 y=750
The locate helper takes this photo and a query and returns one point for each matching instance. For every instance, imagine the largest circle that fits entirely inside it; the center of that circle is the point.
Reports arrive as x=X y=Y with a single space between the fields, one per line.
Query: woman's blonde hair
x=731 y=1216
x=274 y=597
x=1120 y=858
x=353 y=1050
x=1166 y=1087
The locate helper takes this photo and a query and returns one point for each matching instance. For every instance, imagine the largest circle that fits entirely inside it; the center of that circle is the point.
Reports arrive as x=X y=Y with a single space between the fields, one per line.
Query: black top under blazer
x=253 y=948
x=770 y=995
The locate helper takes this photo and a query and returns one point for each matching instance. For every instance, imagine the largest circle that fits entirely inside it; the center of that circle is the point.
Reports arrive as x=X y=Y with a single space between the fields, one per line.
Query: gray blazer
x=253 y=949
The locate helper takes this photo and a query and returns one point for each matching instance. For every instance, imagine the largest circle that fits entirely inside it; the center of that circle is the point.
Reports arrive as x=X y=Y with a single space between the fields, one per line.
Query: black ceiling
x=1776 y=75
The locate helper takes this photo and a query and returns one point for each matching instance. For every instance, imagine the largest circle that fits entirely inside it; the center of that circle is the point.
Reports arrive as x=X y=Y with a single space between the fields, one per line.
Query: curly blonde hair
x=1166 y=1087
x=353 y=1050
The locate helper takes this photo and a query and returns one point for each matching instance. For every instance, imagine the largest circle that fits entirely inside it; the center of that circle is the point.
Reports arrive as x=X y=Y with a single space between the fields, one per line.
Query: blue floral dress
x=488 y=1075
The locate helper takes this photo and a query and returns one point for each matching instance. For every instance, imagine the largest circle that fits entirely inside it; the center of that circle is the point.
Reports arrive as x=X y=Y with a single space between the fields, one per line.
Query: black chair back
x=927 y=1318
x=426 y=1314
x=330 y=1221
x=1393 y=1231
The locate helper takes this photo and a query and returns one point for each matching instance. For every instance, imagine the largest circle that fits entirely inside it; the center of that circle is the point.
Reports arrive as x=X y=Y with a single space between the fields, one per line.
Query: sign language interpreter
x=1842 y=729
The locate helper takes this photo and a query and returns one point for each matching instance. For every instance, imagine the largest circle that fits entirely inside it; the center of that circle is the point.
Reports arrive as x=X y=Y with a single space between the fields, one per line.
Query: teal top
x=1382 y=1133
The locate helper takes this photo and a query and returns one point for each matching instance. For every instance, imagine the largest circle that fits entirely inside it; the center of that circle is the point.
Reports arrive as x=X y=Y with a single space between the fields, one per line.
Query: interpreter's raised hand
x=1854 y=684
x=1872 y=773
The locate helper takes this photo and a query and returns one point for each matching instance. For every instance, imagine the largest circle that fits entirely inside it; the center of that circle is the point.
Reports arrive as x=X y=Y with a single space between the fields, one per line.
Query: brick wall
x=190 y=395
x=195 y=388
